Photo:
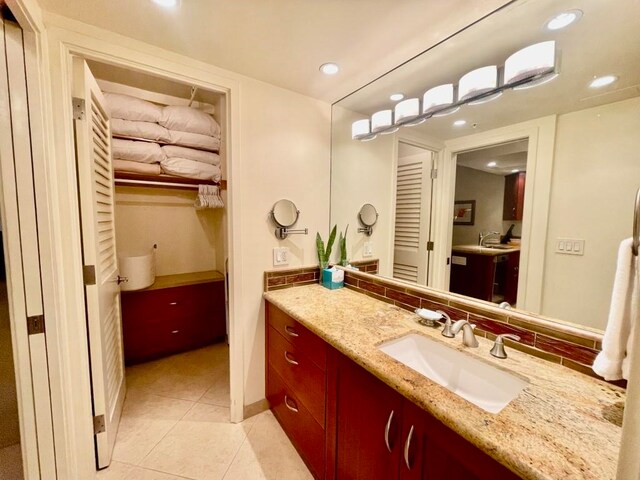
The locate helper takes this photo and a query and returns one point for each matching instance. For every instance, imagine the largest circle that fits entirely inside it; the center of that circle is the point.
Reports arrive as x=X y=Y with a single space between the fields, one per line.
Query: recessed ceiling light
x=515 y=170
x=598 y=82
x=459 y=123
x=563 y=19
x=396 y=97
x=491 y=164
x=166 y=3
x=329 y=68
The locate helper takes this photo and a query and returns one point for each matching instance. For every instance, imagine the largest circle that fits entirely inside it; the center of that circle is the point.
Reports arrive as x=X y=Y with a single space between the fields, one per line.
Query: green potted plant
x=342 y=244
x=324 y=254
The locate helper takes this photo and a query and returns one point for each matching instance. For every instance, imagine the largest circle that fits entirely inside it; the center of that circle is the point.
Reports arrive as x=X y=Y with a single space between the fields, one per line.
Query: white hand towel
x=612 y=362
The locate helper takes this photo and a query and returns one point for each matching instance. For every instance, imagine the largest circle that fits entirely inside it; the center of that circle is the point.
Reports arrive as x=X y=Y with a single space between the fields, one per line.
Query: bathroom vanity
x=352 y=411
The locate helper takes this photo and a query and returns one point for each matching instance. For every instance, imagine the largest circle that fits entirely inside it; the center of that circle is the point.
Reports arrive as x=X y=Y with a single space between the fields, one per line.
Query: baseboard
x=255 y=408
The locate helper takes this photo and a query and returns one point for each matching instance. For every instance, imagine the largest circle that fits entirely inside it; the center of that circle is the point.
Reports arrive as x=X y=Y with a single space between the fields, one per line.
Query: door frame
x=541 y=135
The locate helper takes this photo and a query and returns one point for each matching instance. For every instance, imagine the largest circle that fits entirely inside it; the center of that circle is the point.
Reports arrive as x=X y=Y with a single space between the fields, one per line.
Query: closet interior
x=169 y=164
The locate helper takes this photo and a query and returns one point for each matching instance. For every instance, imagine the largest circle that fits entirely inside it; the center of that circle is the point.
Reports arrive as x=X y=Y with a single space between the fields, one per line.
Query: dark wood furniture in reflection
x=513 y=205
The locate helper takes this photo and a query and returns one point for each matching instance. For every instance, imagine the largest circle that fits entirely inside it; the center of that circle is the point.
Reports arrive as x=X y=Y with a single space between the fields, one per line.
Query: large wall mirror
x=523 y=198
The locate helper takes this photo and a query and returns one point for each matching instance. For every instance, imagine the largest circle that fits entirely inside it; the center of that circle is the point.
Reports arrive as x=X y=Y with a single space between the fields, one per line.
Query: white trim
x=541 y=135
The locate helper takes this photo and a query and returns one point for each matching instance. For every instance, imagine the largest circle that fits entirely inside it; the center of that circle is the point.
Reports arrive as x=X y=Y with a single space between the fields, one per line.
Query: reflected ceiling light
x=459 y=123
x=396 y=97
x=408 y=109
x=478 y=82
x=538 y=60
x=492 y=164
x=599 y=82
x=360 y=129
x=563 y=19
x=166 y=3
x=515 y=170
x=329 y=68
x=381 y=121
x=436 y=98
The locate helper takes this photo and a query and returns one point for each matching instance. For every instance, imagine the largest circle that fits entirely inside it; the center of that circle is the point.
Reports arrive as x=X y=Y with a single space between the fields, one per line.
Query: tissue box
x=332 y=278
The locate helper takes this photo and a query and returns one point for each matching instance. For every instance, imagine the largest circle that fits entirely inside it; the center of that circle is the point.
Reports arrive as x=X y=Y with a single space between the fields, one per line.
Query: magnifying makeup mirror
x=285 y=215
x=368 y=216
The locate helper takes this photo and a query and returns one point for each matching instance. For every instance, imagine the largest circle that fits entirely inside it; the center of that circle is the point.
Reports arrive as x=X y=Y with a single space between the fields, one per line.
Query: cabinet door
x=369 y=416
x=511 y=282
x=413 y=440
x=513 y=205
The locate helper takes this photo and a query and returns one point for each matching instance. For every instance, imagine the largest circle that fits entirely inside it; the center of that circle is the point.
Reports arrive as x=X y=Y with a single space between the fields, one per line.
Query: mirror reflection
x=520 y=197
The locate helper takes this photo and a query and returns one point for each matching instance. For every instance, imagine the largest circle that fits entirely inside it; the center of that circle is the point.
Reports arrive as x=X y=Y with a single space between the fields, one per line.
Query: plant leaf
x=332 y=238
x=320 y=248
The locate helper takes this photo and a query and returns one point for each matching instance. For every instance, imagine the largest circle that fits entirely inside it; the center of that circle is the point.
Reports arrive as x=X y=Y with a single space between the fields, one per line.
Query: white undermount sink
x=486 y=386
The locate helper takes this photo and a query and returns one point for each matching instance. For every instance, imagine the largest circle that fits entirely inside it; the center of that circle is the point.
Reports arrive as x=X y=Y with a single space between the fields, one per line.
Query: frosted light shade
x=360 y=129
x=533 y=60
x=477 y=82
x=437 y=97
x=409 y=108
x=381 y=120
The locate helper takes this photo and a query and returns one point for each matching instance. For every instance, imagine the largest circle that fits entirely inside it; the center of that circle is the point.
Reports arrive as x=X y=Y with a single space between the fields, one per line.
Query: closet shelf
x=162 y=181
x=159 y=142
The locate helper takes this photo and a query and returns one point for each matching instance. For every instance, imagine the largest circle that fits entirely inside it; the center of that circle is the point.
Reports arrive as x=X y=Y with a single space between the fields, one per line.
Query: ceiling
x=603 y=41
x=507 y=157
x=283 y=42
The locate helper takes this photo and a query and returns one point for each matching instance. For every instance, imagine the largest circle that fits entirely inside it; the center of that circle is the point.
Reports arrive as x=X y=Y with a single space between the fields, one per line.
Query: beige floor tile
x=219 y=393
x=267 y=454
x=122 y=471
x=202 y=450
x=146 y=419
x=11 y=463
x=202 y=412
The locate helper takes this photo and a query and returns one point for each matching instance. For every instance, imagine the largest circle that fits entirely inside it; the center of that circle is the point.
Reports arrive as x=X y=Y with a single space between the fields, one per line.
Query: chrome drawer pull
x=290 y=331
x=286 y=402
x=290 y=360
x=386 y=431
x=173 y=303
x=407 y=445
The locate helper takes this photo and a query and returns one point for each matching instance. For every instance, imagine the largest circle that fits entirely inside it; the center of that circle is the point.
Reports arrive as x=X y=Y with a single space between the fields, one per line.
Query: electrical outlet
x=367 y=249
x=280 y=256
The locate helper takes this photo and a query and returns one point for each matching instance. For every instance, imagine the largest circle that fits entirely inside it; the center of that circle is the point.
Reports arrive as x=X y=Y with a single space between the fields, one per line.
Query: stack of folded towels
x=190 y=139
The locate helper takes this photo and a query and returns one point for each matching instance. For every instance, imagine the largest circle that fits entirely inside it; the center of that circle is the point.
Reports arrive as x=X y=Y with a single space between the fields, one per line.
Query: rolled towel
x=144 y=152
x=191 y=154
x=195 y=140
x=135 y=129
x=131 y=108
x=136 y=167
x=612 y=362
x=182 y=167
x=187 y=119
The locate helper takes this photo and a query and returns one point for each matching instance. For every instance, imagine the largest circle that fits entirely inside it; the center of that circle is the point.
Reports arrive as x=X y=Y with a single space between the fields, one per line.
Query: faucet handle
x=498 y=350
x=446 y=331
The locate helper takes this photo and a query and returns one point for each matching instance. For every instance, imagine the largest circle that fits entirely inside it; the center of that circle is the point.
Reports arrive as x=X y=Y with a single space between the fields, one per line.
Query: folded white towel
x=612 y=362
x=182 y=167
x=195 y=140
x=135 y=129
x=186 y=119
x=191 y=154
x=132 y=108
x=144 y=152
x=136 y=167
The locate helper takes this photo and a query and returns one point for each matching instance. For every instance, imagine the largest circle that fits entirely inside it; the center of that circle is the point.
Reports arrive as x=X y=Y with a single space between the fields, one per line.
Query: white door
x=413 y=213
x=102 y=293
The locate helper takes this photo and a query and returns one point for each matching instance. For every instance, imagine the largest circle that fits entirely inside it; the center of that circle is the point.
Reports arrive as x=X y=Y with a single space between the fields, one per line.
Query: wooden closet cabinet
x=178 y=313
x=513 y=205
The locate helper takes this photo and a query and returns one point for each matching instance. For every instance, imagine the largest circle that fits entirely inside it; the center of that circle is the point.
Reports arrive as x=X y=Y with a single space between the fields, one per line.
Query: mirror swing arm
x=284 y=232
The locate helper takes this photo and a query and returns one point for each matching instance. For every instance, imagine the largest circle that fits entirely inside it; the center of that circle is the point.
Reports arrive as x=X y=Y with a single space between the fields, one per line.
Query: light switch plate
x=280 y=256
x=367 y=249
x=570 y=246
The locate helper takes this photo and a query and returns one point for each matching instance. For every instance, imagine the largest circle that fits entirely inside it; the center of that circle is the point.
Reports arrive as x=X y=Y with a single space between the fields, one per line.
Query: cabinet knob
x=290 y=359
x=291 y=331
x=407 y=446
x=386 y=431
x=293 y=407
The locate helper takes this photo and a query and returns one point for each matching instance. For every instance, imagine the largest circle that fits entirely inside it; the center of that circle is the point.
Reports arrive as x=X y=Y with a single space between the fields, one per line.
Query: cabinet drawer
x=313 y=346
x=299 y=425
x=299 y=373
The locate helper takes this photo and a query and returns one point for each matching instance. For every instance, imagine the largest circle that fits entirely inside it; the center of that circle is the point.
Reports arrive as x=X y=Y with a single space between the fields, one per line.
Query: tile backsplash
x=570 y=346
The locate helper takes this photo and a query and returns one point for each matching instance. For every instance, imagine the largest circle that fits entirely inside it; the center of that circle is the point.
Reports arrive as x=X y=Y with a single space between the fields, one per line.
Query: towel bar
x=636 y=225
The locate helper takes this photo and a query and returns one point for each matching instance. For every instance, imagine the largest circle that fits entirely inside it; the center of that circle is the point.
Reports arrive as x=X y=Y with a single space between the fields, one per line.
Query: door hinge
x=434 y=173
x=89 y=274
x=35 y=324
x=78 y=108
x=429 y=246
x=98 y=425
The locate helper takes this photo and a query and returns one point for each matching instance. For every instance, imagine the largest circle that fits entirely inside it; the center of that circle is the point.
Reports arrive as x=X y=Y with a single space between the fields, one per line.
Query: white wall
x=595 y=177
x=487 y=190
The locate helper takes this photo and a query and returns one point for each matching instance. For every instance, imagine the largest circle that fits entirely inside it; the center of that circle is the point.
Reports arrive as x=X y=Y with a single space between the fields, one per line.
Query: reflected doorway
x=487 y=222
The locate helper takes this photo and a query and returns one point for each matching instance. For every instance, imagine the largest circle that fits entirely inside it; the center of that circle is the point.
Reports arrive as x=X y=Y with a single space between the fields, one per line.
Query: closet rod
x=162 y=184
x=636 y=225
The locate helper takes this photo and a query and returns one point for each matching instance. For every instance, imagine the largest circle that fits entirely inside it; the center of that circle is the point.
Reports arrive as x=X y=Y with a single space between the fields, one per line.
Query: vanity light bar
x=528 y=67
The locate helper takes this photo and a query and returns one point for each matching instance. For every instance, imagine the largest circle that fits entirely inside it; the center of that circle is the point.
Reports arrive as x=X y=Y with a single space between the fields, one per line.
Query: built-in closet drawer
x=162 y=321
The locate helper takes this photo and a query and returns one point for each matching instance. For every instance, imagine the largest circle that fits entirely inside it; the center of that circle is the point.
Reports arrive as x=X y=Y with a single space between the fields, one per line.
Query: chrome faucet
x=498 y=347
x=482 y=236
x=468 y=337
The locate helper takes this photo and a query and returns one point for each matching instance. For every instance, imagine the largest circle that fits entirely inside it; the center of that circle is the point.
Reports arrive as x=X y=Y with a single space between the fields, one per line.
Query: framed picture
x=464 y=212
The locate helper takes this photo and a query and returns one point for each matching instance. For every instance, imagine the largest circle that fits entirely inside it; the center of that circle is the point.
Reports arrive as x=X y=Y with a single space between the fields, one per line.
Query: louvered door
x=102 y=293
x=412 y=218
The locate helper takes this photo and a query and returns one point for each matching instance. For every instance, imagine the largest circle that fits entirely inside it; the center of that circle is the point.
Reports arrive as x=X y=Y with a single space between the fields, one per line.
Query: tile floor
x=175 y=425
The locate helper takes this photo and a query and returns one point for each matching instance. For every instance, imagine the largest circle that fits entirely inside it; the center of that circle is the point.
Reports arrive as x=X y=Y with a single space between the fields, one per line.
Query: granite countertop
x=563 y=425
x=478 y=250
